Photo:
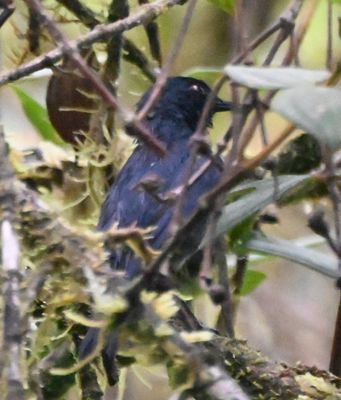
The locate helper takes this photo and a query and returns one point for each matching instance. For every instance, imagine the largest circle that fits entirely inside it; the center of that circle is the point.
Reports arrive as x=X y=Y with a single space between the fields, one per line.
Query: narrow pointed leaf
x=251 y=203
x=274 y=78
x=38 y=117
x=316 y=110
x=310 y=258
x=251 y=281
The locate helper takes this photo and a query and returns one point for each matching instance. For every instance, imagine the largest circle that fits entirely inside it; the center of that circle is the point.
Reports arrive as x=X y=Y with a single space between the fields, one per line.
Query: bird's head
x=183 y=98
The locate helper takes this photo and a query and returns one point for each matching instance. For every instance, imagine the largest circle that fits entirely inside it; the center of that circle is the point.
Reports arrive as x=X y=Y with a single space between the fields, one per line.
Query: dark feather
x=172 y=120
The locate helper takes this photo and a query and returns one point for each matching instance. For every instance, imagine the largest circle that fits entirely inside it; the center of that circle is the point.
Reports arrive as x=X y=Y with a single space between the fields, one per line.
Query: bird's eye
x=198 y=89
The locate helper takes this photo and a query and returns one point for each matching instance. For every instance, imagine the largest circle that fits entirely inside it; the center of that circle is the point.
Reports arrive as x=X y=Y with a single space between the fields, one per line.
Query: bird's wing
x=128 y=203
x=201 y=186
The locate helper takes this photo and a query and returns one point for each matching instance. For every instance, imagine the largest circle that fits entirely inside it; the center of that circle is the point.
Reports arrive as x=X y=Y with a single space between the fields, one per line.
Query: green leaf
x=239 y=235
x=252 y=280
x=273 y=78
x=264 y=192
x=299 y=156
x=316 y=110
x=38 y=117
x=225 y=5
x=178 y=373
x=204 y=73
x=55 y=387
x=310 y=258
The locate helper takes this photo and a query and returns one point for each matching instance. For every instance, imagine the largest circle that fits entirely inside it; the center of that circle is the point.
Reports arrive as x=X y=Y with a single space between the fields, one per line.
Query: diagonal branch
x=215 y=362
x=131 y=52
x=72 y=52
x=143 y=15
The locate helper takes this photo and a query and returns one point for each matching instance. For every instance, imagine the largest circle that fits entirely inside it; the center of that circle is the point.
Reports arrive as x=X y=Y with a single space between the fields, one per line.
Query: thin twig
x=118 y=9
x=99 y=33
x=238 y=280
x=244 y=110
x=335 y=359
x=280 y=39
x=232 y=164
x=131 y=52
x=163 y=76
x=289 y=56
x=158 y=86
x=98 y=85
x=329 y=55
x=197 y=137
x=236 y=129
x=260 y=111
x=7 y=10
x=152 y=31
x=290 y=14
x=226 y=314
x=335 y=196
x=234 y=168
x=207 y=202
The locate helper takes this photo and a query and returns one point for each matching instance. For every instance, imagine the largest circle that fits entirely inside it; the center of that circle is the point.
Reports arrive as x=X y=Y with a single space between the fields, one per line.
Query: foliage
x=37 y=115
x=226 y=5
x=315 y=110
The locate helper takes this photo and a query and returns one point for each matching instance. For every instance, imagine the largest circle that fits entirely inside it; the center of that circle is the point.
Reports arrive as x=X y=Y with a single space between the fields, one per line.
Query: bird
x=172 y=120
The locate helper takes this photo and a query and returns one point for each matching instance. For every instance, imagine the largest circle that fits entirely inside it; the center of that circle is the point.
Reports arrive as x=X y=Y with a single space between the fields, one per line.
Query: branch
x=221 y=361
x=39 y=228
x=72 y=52
x=153 y=35
x=12 y=338
x=7 y=8
x=286 y=19
x=131 y=52
x=144 y=14
x=163 y=76
x=118 y=9
x=207 y=202
x=237 y=171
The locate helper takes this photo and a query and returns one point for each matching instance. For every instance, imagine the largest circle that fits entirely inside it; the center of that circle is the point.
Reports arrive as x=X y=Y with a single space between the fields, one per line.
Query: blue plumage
x=173 y=120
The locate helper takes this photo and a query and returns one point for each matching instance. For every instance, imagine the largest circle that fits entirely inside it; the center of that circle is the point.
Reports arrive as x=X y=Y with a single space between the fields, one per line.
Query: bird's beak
x=221 y=105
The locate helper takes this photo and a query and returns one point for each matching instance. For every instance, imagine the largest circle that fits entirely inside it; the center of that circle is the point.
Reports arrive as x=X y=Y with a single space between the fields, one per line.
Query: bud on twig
x=318 y=224
x=218 y=294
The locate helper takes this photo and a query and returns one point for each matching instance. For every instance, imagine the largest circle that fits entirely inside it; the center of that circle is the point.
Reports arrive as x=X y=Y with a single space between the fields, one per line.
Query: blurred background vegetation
x=291 y=315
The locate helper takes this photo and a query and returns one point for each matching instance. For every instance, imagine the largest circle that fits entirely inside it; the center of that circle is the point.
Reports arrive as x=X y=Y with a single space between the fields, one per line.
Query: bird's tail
x=89 y=346
x=89 y=343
